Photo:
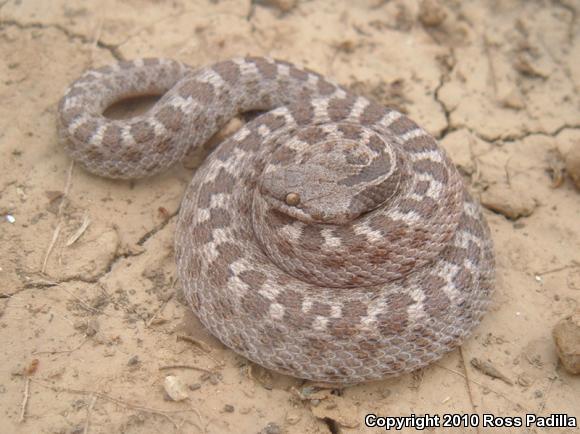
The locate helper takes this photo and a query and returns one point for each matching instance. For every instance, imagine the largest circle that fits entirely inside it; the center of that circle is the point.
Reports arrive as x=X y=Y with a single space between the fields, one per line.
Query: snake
x=330 y=238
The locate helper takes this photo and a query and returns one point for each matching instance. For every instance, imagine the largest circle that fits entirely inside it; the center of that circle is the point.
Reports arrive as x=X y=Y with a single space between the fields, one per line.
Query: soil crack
x=113 y=49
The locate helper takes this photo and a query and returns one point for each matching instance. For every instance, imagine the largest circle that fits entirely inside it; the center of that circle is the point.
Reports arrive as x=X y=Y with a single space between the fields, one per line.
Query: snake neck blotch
x=330 y=238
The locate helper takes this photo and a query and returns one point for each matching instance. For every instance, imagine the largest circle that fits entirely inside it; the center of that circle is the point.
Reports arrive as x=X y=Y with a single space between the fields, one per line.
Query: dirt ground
x=91 y=319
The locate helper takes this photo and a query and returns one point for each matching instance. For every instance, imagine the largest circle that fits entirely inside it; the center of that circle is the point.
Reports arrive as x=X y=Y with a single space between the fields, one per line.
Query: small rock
x=93 y=327
x=271 y=428
x=174 y=388
x=431 y=13
x=245 y=410
x=513 y=99
x=214 y=379
x=512 y=204
x=133 y=361
x=89 y=328
x=229 y=408
x=195 y=386
x=567 y=338
x=292 y=418
x=573 y=165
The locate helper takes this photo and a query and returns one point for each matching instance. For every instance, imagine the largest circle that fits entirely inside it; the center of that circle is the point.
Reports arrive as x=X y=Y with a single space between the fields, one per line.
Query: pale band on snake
x=330 y=238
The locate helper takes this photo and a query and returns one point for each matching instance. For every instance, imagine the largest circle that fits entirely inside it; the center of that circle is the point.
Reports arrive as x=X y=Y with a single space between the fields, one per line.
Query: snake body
x=330 y=238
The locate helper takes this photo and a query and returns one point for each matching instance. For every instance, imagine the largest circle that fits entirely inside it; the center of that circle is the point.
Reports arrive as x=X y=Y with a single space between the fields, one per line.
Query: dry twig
x=205 y=349
x=24 y=400
x=61 y=351
x=482 y=386
x=202 y=345
x=467 y=379
x=158 y=311
x=81 y=230
x=56 y=232
x=195 y=368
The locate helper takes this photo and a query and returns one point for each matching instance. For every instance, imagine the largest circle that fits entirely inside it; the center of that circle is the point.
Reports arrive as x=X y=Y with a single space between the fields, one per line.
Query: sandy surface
x=87 y=343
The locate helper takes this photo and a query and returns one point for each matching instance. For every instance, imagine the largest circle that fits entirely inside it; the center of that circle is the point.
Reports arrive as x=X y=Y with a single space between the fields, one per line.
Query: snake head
x=333 y=181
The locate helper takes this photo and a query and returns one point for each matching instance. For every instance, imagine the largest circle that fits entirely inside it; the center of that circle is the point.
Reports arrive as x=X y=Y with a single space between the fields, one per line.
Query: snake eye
x=292 y=199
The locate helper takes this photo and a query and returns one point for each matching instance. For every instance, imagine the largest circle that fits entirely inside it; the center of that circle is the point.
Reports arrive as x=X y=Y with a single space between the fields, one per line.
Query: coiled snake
x=330 y=238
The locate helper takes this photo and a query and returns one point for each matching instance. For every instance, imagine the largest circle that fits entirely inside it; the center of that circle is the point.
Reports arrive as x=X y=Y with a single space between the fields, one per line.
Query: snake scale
x=330 y=238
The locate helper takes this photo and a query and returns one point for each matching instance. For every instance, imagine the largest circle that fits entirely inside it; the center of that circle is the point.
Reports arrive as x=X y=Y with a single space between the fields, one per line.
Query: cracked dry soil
x=91 y=320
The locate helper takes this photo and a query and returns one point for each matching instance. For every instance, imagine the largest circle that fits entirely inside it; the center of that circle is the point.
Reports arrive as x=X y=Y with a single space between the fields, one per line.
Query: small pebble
x=174 y=388
x=89 y=328
x=431 y=13
x=293 y=418
x=195 y=386
x=214 y=379
x=271 y=428
x=511 y=203
x=229 y=408
x=93 y=327
x=513 y=99
x=567 y=339
x=133 y=361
